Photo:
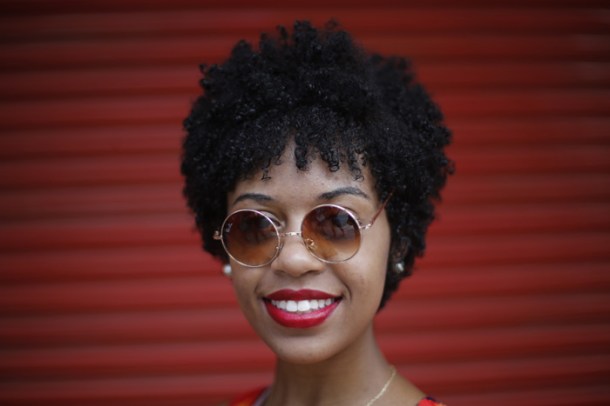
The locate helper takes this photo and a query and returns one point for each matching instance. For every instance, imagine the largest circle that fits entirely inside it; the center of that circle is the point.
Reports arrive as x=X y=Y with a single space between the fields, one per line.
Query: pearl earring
x=226 y=270
x=399 y=267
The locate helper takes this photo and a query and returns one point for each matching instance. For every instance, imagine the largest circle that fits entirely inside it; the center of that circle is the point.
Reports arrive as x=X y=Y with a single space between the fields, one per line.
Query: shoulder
x=428 y=401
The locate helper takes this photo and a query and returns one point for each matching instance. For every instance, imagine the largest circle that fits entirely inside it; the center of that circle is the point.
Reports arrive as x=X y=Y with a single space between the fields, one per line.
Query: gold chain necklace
x=369 y=403
x=385 y=387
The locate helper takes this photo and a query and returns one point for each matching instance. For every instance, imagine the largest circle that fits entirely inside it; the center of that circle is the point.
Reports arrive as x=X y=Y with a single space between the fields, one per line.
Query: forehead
x=286 y=182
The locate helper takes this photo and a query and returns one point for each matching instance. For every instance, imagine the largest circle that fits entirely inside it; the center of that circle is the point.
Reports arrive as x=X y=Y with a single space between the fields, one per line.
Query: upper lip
x=301 y=294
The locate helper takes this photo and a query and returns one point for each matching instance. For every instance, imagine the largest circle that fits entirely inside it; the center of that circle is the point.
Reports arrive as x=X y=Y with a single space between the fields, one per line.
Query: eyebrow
x=257 y=197
x=353 y=191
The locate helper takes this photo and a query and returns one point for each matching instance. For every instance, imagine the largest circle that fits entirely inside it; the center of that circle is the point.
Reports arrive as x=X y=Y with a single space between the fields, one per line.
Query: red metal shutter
x=106 y=298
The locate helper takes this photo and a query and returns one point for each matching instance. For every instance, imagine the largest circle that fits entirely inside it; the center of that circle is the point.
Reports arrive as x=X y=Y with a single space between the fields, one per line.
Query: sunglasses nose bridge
x=288 y=234
x=308 y=242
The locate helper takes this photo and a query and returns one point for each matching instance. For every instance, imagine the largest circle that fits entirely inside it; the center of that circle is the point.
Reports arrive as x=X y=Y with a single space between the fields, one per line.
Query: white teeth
x=292 y=306
x=302 y=306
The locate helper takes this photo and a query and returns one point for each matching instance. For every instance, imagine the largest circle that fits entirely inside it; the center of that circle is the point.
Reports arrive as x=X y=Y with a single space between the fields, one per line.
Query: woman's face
x=280 y=299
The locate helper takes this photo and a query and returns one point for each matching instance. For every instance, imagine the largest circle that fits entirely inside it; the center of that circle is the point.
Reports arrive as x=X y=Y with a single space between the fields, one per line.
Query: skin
x=339 y=361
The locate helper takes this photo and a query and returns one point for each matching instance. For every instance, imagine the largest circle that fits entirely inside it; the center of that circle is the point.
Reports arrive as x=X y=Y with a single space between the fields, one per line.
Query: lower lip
x=300 y=320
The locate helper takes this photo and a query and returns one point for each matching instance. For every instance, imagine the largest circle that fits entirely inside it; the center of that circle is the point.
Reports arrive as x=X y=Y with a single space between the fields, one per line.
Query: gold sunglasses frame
x=309 y=244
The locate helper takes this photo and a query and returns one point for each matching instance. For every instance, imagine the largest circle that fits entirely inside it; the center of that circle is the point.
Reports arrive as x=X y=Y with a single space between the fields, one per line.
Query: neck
x=350 y=377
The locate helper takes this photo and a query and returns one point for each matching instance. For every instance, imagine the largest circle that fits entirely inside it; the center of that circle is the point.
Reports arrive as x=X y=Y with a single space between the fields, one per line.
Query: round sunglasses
x=330 y=232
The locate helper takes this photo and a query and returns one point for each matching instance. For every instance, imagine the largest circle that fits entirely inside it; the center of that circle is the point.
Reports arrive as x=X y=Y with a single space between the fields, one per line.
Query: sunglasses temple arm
x=383 y=205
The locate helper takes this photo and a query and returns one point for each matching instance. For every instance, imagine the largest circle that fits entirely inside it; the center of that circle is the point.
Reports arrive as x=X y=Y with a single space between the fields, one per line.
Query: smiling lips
x=300 y=308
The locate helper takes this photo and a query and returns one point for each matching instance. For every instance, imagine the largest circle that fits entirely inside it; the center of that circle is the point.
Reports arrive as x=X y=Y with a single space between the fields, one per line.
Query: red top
x=250 y=398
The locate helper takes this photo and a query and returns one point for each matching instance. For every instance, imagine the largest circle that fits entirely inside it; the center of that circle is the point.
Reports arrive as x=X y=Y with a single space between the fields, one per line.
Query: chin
x=302 y=351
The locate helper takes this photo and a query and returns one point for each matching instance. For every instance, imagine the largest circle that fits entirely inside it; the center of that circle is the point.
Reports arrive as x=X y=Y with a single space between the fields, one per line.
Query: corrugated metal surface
x=105 y=297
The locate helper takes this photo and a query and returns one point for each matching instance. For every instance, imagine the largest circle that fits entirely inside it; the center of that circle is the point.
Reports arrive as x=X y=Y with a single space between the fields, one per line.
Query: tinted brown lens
x=250 y=238
x=331 y=233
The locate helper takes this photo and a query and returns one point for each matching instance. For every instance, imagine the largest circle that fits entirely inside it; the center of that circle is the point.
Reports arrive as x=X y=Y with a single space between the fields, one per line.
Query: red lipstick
x=300 y=308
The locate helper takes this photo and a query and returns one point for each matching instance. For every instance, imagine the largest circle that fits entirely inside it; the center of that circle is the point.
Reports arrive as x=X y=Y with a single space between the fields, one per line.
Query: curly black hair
x=319 y=89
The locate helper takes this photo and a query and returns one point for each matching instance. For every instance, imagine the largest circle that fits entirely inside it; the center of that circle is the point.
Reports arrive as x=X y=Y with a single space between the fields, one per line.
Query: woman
x=312 y=168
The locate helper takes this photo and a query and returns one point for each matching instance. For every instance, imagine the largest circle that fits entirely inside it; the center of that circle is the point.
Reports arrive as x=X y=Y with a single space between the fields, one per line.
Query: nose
x=294 y=258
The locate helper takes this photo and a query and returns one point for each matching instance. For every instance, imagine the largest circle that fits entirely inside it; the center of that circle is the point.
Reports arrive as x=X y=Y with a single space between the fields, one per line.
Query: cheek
x=377 y=266
x=377 y=283
x=244 y=286
x=367 y=280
